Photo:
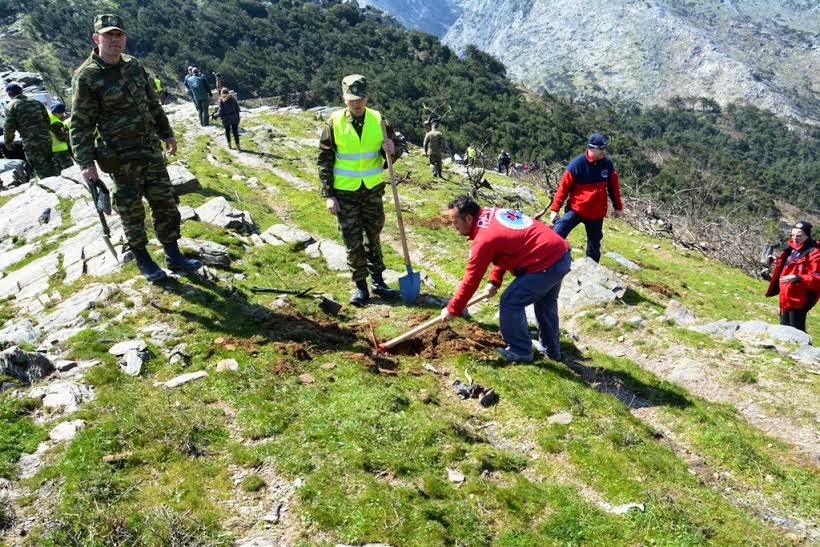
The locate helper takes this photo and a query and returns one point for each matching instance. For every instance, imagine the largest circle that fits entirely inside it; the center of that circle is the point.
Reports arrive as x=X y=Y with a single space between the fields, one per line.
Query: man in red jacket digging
x=588 y=180
x=537 y=256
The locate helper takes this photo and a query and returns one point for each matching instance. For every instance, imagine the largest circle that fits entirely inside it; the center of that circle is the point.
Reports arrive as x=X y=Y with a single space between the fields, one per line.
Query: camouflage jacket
x=327 y=151
x=120 y=102
x=28 y=117
x=434 y=143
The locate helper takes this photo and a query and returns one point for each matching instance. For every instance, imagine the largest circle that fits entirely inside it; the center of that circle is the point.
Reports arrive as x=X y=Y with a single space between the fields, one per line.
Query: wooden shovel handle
x=427 y=324
x=389 y=158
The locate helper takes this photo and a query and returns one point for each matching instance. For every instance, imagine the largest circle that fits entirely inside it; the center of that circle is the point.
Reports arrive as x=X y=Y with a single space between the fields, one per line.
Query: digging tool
x=296 y=292
x=325 y=304
x=410 y=284
x=424 y=326
x=101 y=197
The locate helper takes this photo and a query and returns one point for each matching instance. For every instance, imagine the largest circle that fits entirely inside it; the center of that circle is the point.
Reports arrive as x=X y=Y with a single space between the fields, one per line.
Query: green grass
x=372 y=449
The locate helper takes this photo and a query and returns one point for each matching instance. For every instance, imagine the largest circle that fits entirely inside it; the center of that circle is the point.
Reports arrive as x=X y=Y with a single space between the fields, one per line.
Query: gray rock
x=68 y=313
x=220 y=213
x=307 y=268
x=121 y=348
x=281 y=233
x=12 y=173
x=259 y=539
x=66 y=396
x=227 y=364
x=64 y=365
x=20 y=216
x=623 y=261
x=66 y=431
x=723 y=328
x=782 y=333
x=607 y=320
x=65 y=188
x=15 y=255
x=182 y=180
x=132 y=362
x=18 y=331
x=208 y=251
x=186 y=212
x=589 y=284
x=685 y=372
x=87 y=252
x=185 y=378
x=678 y=313
x=25 y=79
x=25 y=366
x=335 y=255
x=562 y=418
x=809 y=355
x=636 y=320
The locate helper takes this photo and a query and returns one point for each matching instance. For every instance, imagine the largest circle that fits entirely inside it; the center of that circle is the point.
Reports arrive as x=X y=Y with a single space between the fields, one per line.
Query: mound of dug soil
x=446 y=340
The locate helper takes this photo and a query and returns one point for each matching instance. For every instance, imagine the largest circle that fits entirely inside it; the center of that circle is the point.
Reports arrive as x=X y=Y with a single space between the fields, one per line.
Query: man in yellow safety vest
x=351 y=170
x=59 y=136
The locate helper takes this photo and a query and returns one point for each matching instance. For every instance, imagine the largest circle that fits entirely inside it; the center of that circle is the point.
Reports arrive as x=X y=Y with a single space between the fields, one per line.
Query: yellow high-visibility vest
x=158 y=85
x=357 y=159
x=56 y=144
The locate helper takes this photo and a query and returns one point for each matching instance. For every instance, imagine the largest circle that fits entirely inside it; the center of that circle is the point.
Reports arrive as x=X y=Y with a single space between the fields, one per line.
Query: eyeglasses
x=593 y=147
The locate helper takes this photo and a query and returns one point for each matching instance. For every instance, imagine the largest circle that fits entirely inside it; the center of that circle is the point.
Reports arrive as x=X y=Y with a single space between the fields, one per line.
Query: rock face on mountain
x=760 y=52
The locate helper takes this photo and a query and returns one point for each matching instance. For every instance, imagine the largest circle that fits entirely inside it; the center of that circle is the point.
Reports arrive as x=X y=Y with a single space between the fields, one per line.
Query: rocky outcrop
x=753 y=52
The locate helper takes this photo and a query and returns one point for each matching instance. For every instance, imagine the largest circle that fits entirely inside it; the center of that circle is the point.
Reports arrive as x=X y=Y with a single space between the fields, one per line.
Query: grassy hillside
x=316 y=440
x=743 y=158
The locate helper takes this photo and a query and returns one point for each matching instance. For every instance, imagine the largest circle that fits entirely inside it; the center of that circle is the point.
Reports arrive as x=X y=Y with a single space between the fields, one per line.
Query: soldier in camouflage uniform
x=116 y=119
x=433 y=147
x=351 y=152
x=29 y=117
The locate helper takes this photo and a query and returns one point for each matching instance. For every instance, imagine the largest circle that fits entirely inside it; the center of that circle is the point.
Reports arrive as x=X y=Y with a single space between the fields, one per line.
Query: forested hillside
x=300 y=50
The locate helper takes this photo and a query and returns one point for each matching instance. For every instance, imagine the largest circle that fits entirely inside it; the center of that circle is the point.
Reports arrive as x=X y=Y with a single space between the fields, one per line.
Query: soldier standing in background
x=433 y=146
x=114 y=96
x=59 y=137
x=29 y=117
x=351 y=170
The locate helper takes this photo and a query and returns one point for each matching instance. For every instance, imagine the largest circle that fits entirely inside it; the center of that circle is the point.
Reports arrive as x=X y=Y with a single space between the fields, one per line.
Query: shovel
x=410 y=284
x=426 y=325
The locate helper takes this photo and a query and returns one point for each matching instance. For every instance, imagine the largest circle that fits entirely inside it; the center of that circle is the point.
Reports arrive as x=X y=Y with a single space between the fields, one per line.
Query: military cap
x=596 y=140
x=108 y=22
x=354 y=87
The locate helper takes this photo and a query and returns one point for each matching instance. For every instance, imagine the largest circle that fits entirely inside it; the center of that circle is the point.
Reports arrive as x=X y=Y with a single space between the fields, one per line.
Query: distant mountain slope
x=764 y=53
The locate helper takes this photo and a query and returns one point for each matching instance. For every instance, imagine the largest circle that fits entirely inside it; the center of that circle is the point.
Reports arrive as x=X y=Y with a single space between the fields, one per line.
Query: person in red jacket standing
x=796 y=277
x=588 y=180
x=537 y=256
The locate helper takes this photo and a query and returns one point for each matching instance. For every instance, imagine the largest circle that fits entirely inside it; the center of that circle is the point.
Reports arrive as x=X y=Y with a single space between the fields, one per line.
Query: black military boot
x=360 y=295
x=381 y=288
x=147 y=266
x=176 y=261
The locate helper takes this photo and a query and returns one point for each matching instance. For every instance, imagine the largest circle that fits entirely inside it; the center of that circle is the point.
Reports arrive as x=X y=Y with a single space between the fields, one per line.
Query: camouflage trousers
x=63 y=160
x=361 y=219
x=435 y=164
x=148 y=178
x=42 y=161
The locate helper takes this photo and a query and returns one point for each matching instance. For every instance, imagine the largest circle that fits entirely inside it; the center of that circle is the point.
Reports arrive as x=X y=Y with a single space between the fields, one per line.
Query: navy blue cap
x=58 y=108
x=805 y=226
x=14 y=88
x=596 y=140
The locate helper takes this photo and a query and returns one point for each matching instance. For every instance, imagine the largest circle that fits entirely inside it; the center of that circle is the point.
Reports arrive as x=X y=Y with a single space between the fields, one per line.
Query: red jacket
x=587 y=184
x=805 y=263
x=511 y=241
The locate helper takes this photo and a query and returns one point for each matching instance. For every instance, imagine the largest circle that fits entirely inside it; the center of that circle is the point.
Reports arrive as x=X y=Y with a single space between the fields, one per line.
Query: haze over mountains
x=760 y=52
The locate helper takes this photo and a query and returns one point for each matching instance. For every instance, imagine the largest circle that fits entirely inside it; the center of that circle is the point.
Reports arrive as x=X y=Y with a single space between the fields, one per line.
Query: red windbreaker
x=805 y=263
x=511 y=241
x=587 y=184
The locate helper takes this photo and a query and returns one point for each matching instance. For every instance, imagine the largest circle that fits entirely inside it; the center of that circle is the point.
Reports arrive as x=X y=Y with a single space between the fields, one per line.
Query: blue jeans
x=564 y=225
x=540 y=289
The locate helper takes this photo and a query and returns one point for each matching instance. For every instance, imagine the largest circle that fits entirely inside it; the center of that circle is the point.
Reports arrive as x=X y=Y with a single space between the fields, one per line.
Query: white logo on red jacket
x=515 y=220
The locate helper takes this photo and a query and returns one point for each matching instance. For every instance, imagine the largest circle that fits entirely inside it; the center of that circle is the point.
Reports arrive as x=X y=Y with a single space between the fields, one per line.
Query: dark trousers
x=232 y=128
x=564 y=225
x=202 y=110
x=794 y=318
x=542 y=290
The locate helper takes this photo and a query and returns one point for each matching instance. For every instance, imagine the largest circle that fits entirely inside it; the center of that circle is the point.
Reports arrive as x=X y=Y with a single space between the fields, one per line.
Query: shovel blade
x=410 y=286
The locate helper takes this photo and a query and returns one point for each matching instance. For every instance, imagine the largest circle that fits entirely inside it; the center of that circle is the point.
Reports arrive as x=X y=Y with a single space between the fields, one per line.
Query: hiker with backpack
x=201 y=93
